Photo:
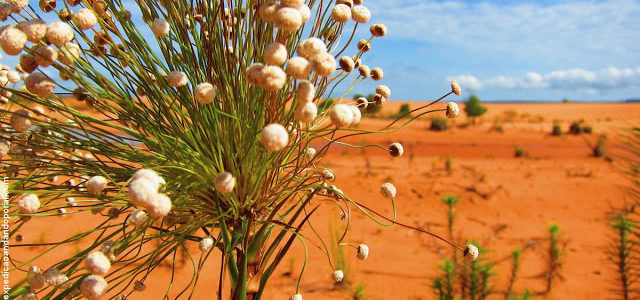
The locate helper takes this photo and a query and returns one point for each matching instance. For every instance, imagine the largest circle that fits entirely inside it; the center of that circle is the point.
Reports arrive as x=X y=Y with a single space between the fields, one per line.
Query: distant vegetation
x=474 y=108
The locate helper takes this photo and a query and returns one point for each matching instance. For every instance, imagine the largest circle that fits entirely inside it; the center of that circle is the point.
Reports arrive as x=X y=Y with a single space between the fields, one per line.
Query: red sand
x=524 y=195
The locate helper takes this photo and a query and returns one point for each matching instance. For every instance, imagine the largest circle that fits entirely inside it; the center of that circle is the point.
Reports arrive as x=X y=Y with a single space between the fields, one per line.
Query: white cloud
x=591 y=82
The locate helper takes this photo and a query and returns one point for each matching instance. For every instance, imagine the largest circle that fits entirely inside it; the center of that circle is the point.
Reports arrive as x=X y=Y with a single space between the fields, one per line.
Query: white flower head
x=388 y=190
x=138 y=217
x=337 y=276
x=274 y=137
x=275 y=54
x=452 y=110
x=53 y=277
x=96 y=184
x=35 y=279
x=309 y=153
x=471 y=252
x=360 y=14
x=85 y=18
x=288 y=19
x=97 y=263
x=20 y=120
x=93 y=287
x=205 y=93
x=273 y=78
x=12 y=40
x=363 y=251
x=59 y=33
x=224 y=182
x=298 y=67
x=306 y=112
x=396 y=149
x=306 y=91
x=341 y=13
x=160 y=206
x=455 y=88
x=28 y=203
x=311 y=48
x=341 y=115
x=160 y=27
x=324 y=64
x=205 y=244
x=177 y=79
x=296 y=297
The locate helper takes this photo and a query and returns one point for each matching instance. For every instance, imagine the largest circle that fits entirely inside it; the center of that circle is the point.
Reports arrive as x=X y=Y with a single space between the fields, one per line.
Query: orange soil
x=560 y=182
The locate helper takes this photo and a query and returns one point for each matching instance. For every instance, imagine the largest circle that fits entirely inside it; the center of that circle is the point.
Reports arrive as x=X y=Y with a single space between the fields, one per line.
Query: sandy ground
x=505 y=202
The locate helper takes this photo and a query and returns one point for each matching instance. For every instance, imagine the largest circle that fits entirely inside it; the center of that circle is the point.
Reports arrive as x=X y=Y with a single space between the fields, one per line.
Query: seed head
x=363 y=251
x=160 y=206
x=296 y=297
x=93 y=287
x=341 y=115
x=455 y=87
x=471 y=252
x=364 y=45
x=59 y=33
x=378 y=30
x=39 y=84
x=306 y=91
x=341 y=13
x=96 y=184
x=396 y=149
x=306 y=112
x=379 y=99
x=97 y=263
x=224 y=182
x=360 y=14
x=376 y=74
x=324 y=64
x=311 y=48
x=53 y=277
x=142 y=191
x=34 y=278
x=177 y=79
x=35 y=29
x=206 y=244
x=47 y=5
x=298 y=67
x=357 y=115
x=69 y=53
x=346 y=63
x=267 y=12
x=151 y=175
x=275 y=54
x=288 y=19
x=337 y=276
x=452 y=110
x=273 y=78
x=362 y=103
x=85 y=18
x=139 y=286
x=12 y=40
x=160 y=27
x=254 y=74
x=305 y=12
x=205 y=93
x=20 y=120
x=138 y=217
x=309 y=153
x=384 y=90
x=364 y=71
x=274 y=137
x=388 y=190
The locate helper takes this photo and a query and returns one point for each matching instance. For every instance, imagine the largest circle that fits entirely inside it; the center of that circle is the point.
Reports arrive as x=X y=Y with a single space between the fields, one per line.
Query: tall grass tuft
x=623 y=254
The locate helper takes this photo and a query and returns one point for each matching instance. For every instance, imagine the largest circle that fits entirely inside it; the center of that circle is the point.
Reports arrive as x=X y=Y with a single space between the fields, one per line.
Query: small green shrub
x=599 y=150
x=439 y=124
x=557 y=130
x=520 y=152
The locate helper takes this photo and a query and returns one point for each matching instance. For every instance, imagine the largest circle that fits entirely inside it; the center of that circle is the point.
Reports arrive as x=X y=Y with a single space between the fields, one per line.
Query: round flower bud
x=363 y=251
x=275 y=54
x=305 y=12
x=160 y=206
x=324 y=64
x=97 y=263
x=54 y=277
x=346 y=63
x=337 y=275
x=254 y=74
x=274 y=137
x=224 y=182
x=306 y=112
x=362 y=103
x=341 y=115
x=379 y=99
x=47 y=5
x=471 y=252
x=455 y=87
x=357 y=115
x=288 y=19
x=205 y=244
x=341 y=13
x=35 y=29
x=69 y=53
x=59 y=33
x=309 y=153
x=85 y=18
x=160 y=27
x=177 y=79
x=267 y=12
x=298 y=68
x=93 y=287
x=388 y=190
x=45 y=55
x=296 y=297
x=396 y=149
x=137 y=217
x=12 y=40
x=378 y=30
x=20 y=120
x=96 y=184
x=360 y=14
x=376 y=74
x=142 y=191
x=306 y=91
x=39 y=84
x=311 y=48
x=28 y=203
x=34 y=278
x=384 y=90
x=273 y=78
x=452 y=110
x=364 y=71
x=205 y=93
x=364 y=45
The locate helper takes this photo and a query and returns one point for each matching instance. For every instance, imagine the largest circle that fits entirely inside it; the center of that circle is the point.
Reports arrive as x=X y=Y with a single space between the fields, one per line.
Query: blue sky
x=508 y=50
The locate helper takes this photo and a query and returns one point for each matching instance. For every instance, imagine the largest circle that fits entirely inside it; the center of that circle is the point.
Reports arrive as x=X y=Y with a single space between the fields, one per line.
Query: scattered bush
x=623 y=254
x=599 y=150
x=473 y=108
x=520 y=152
x=557 y=130
x=439 y=124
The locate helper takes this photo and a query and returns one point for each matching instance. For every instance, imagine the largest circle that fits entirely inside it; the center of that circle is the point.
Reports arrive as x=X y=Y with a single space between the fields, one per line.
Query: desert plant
x=600 y=148
x=515 y=267
x=358 y=292
x=439 y=124
x=403 y=112
x=443 y=285
x=194 y=135
x=623 y=254
x=474 y=108
x=557 y=129
x=554 y=254
x=519 y=152
x=450 y=201
x=448 y=165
